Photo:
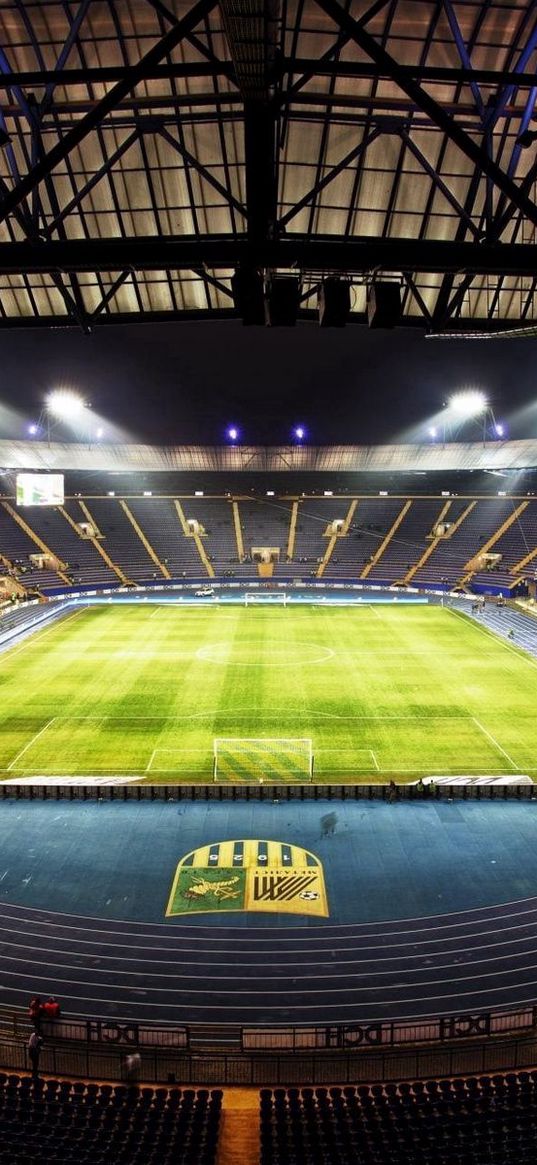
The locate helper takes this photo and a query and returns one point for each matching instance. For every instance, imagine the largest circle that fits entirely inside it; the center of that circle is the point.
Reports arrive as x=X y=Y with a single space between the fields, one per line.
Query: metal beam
x=110 y=101
x=325 y=252
x=328 y=178
x=428 y=105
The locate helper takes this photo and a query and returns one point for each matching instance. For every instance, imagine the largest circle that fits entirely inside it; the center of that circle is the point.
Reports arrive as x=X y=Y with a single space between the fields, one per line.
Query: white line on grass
x=30 y=742
x=493 y=741
x=519 y=652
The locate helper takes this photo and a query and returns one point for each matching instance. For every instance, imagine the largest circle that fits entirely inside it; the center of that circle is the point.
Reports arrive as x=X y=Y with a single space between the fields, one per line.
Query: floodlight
x=33 y=429
x=433 y=432
x=471 y=403
x=233 y=433
x=65 y=405
x=299 y=432
x=499 y=429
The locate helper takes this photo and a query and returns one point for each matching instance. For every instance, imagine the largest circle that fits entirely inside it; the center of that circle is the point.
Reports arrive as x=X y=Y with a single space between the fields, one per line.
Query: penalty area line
x=493 y=741
x=30 y=743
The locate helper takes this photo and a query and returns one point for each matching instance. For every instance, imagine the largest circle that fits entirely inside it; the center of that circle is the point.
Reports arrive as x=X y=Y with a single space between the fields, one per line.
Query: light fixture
x=470 y=403
x=65 y=405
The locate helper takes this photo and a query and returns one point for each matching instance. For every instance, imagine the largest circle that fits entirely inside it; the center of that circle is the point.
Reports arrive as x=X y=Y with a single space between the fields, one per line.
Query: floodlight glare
x=433 y=432
x=499 y=429
x=32 y=429
x=300 y=433
x=99 y=433
x=471 y=403
x=233 y=433
x=65 y=405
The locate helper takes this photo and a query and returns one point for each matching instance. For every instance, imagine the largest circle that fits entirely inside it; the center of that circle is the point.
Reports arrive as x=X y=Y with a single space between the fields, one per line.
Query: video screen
x=40 y=489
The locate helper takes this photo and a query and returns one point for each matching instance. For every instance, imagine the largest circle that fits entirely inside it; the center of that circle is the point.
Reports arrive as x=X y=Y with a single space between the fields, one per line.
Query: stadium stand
x=216 y=517
x=160 y=521
x=381 y=540
x=314 y=516
x=474 y=1121
x=517 y=541
x=83 y=562
x=452 y=554
x=264 y=525
x=121 y=540
x=408 y=543
x=17 y=546
x=65 y=1122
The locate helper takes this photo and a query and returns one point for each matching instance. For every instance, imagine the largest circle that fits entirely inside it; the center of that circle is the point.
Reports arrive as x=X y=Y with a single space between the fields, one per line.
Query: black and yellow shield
x=249 y=875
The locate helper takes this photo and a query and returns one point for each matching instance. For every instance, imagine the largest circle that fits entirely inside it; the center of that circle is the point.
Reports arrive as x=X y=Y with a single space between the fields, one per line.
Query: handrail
x=15 y=1024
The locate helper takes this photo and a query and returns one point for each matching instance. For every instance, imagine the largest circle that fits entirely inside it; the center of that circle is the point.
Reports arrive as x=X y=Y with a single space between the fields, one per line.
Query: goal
x=251 y=600
x=271 y=759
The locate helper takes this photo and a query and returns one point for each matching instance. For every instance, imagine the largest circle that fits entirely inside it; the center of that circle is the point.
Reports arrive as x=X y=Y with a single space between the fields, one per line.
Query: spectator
x=35 y=1043
x=35 y=1012
x=51 y=1009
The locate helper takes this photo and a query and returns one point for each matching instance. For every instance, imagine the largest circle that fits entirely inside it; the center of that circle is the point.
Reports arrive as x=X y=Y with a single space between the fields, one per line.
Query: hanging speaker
x=334 y=303
x=247 y=290
x=281 y=302
x=384 y=305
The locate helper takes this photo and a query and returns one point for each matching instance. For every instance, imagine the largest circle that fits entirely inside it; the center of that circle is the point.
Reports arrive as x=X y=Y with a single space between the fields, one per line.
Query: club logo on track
x=248 y=875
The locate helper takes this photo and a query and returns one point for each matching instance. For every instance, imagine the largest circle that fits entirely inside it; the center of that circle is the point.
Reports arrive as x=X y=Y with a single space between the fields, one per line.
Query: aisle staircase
x=333 y=538
x=470 y=569
x=385 y=542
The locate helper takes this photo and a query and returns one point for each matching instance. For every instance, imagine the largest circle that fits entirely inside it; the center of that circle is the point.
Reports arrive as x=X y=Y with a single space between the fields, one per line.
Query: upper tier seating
x=265 y=523
x=486 y=1120
x=449 y=559
x=121 y=541
x=83 y=562
x=61 y=1122
x=160 y=522
x=517 y=541
x=16 y=545
x=216 y=517
x=314 y=516
x=409 y=541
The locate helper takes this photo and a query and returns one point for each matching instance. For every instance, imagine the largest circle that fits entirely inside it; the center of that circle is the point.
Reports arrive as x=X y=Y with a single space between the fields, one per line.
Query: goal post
x=270 y=759
x=263 y=598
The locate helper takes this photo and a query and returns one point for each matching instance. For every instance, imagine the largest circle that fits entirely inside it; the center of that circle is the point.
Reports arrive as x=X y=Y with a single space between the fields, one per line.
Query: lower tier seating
x=485 y=1120
x=60 y=1122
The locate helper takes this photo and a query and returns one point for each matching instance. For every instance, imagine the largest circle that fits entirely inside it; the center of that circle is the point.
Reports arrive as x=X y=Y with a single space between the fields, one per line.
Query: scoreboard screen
x=40 y=489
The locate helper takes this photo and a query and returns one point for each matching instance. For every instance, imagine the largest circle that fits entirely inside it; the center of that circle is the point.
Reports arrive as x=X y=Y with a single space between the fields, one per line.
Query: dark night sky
x=181 y=383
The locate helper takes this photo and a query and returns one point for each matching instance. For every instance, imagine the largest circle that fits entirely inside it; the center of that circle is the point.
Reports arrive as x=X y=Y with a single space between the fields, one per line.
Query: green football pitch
x=382 y=691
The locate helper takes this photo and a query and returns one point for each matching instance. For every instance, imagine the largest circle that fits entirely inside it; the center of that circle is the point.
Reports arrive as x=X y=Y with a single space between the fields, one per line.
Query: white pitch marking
x=30 y=742
x=495 y=743
x=519 y=652
x=151 y=759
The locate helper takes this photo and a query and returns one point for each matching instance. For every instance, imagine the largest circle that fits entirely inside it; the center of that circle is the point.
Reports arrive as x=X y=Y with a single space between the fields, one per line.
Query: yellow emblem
x=249 y=875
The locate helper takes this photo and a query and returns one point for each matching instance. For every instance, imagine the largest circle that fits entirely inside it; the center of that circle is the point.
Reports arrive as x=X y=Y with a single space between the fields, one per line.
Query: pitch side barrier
x=234 y=1054
x=439 y=789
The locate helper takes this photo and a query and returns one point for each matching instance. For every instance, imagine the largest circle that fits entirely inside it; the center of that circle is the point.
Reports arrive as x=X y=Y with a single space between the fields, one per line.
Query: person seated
x=51 y=1008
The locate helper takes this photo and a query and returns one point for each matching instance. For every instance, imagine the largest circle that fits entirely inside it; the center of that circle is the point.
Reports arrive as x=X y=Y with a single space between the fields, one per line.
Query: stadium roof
x=492 y=455
x=147 y=147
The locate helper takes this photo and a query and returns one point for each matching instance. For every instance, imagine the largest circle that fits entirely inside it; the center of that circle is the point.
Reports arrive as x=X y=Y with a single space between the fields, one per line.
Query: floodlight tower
x=63 y=405
x=472 y=405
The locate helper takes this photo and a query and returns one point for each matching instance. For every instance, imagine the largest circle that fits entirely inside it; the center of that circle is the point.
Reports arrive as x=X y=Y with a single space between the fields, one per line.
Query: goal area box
x=273 y=759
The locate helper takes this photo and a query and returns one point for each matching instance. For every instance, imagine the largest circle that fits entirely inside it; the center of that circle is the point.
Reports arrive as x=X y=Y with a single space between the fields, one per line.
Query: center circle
x=272 y=653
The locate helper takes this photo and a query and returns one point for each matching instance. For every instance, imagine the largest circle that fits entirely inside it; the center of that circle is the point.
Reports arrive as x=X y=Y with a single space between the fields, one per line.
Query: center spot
x=271 y=653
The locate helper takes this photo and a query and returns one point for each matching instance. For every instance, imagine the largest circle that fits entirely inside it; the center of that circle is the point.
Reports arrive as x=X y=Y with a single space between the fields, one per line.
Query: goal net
x=271 y=759
x=263 y=597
